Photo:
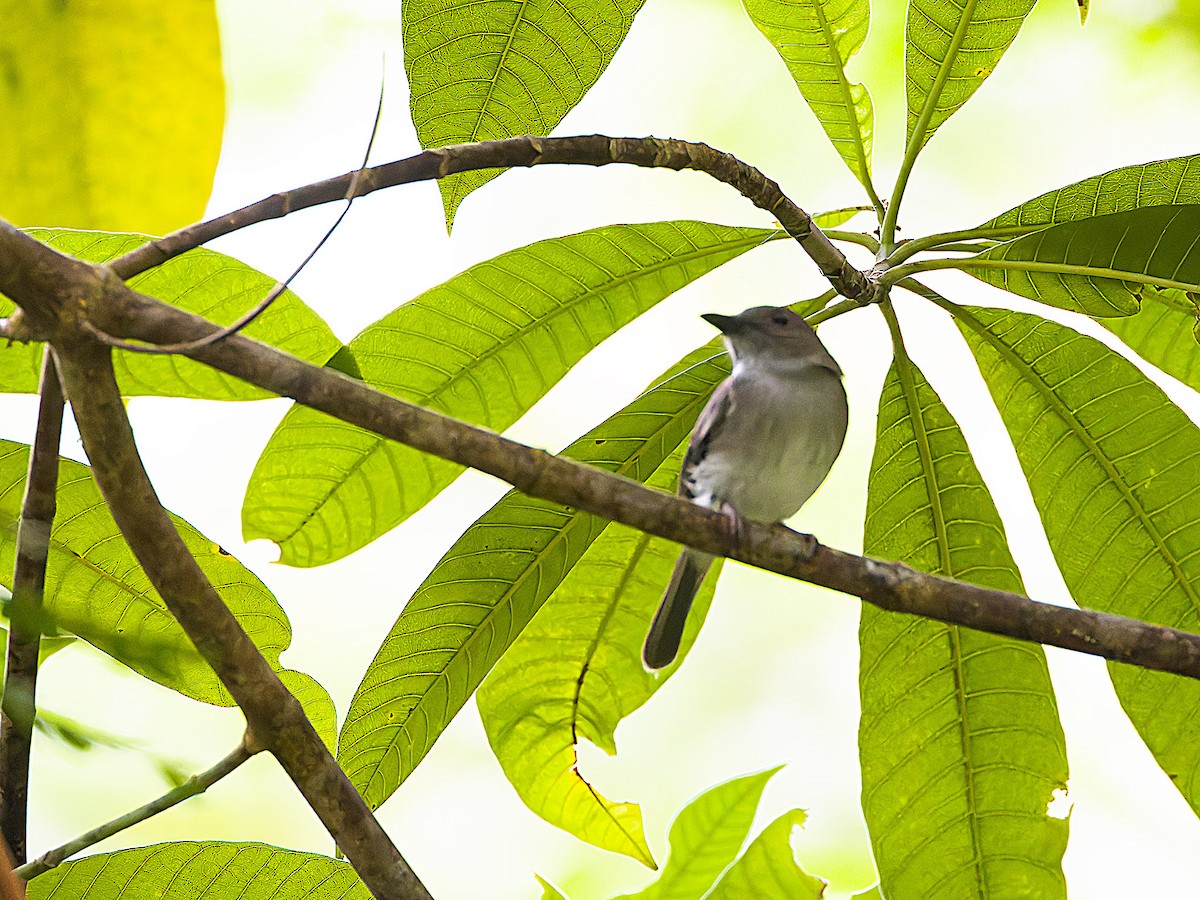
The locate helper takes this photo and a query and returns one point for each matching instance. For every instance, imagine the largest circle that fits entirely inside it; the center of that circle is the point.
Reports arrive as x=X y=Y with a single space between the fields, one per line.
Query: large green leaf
x=951 y=47
x=706 y=837
x=1164 y=333
x=204 y=282
x=576 y=671
x=112 y=110
x=203 y=870
x=816 y=39
x=483 y=347
x=1099 y=265
x=96 y=590
x=959 y=738
x=1111 y=464
x=489 y=585
x=1162 y=183
x=768 y=869
x=480 y=70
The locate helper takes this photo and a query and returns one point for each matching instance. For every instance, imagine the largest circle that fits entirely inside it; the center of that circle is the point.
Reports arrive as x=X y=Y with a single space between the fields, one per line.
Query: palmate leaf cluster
x=542 y=608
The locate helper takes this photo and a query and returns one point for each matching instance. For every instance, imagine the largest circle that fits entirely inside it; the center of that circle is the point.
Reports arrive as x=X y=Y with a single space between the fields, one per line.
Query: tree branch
x=889 y=585
x=26 y=619
x=195 y=785
x=274 y=717
x=526 y=151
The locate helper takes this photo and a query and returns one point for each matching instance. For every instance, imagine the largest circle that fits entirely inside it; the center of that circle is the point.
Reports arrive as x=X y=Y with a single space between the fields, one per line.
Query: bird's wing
x=708 y=425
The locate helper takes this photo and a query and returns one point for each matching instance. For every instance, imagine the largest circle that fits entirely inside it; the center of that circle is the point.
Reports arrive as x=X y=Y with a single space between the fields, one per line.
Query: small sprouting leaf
x=816 y=39
x=1099 y=265
x=952 y=47
x=201 y=281
x=489 y=585
x=1111 y=465
x=483 y=347
x=768 y=869
x=480 y=70
x=201 y=870
x=959 y=738
x=706 y=837
x=106 y=124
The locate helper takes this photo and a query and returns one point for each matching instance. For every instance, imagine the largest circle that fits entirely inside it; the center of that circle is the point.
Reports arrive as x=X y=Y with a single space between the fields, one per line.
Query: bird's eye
x=779 y=320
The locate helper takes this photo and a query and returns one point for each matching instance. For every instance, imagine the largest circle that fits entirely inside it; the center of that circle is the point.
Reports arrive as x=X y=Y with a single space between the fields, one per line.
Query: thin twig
x=194 y=786
x=280 y=286
x=590 y=150
x=26 y=619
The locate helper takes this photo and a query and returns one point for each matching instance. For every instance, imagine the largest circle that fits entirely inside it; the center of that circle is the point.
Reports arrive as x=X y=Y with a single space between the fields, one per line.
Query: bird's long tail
x=662 y=642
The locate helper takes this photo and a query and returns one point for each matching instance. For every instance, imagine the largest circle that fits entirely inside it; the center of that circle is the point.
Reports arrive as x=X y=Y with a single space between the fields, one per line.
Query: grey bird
x=761 y=447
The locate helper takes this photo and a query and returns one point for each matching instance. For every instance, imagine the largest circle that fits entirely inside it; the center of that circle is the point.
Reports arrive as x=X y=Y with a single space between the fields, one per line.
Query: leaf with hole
x=1111 y=464
x=483 y=347
x=960 y=744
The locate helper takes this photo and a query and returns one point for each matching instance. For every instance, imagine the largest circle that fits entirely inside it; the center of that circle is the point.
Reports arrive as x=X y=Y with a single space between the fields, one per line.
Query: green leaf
x=480 y=70
x=317 y=703
x=959 y=737
x=1111 y=465
x=484 y=347
x=816 y=39
x=202 y=870
x=706 y=837
x=549 y=891
x=1160 y=183
x=1163 y=333
x=96 y=590
x=576 y=671
x=107 y=123
x=201 y=281
x=951 y=47
x=768 y=869
x=489 y=585
x=1099 y=265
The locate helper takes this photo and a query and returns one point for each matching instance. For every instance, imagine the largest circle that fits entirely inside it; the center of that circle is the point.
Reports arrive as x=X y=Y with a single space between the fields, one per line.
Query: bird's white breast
x=776 y=444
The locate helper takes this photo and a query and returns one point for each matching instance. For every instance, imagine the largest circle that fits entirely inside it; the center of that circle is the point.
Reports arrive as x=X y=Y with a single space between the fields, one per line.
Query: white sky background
x=774 y=676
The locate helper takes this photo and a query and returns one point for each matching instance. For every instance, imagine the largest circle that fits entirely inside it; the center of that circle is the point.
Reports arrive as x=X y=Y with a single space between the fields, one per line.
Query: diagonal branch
x=889 y=585
x=589 y=150
x=26 y=618
x=275 y=720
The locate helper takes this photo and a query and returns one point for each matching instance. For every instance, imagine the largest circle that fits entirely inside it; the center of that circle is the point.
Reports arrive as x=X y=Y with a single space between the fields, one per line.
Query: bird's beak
x=724 y=324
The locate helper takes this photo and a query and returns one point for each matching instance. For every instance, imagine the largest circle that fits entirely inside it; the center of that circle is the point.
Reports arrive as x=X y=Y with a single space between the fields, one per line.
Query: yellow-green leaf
x=959 y=738
x=113 y=112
